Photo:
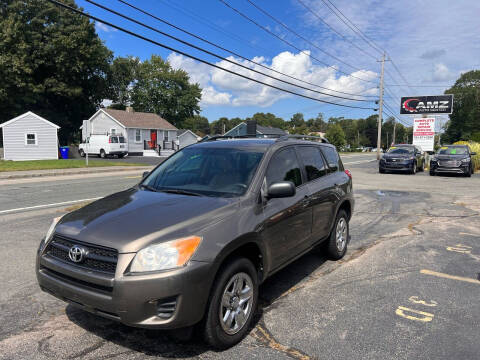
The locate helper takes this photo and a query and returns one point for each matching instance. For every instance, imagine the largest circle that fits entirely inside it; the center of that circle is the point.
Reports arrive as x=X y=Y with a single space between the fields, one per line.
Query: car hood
x=132 y=219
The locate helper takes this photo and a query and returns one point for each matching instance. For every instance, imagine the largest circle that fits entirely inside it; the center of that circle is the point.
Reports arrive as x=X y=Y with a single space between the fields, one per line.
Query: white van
x=104 y=145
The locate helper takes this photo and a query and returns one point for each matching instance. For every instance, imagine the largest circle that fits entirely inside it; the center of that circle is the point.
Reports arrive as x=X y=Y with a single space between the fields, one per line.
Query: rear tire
x=338 y=240
x=229 y=297
x=103 y=155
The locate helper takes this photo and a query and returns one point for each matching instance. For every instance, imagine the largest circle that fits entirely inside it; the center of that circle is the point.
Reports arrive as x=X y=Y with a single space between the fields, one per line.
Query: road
x=407 y=288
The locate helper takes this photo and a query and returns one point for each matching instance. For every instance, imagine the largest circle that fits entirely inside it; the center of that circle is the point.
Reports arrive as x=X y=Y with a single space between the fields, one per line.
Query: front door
x=153 y=138
x=288 y=221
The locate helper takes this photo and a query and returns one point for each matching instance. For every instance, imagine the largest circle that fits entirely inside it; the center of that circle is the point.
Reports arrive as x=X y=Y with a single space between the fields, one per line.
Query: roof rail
x=304 y=137
x=226 y=137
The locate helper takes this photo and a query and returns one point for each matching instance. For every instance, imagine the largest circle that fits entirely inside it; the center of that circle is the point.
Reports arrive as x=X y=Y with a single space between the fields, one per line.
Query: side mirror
x=473 y=153
x=281 y=189
x=145 y=174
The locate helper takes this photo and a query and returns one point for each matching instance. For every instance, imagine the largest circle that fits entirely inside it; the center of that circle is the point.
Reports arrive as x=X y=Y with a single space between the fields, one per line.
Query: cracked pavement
x=407 y=288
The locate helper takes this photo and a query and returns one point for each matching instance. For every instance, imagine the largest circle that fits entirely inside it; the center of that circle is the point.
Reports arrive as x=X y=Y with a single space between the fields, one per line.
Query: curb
x=61 y=172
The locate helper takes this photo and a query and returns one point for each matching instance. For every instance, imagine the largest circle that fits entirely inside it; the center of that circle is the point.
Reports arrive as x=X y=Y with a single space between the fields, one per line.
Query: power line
x=355 y=29
x=58 y=3
x=232 y=52
x=289 y=43
x=335 y=31
x=266 y=13
x=214 y=54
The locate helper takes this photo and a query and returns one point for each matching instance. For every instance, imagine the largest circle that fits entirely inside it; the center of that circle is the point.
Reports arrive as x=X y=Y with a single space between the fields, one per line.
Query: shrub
x=475 y=147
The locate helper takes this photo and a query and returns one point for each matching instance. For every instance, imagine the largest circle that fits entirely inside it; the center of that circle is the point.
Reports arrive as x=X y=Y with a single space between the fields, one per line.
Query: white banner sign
x=424 y=133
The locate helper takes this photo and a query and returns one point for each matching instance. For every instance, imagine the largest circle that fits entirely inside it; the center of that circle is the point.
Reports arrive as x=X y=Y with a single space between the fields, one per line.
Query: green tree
x=197 y=123
x=335 y=135
x=464 y=122
x=52 y=62
x=167 y=92
x=120 y=77
x=297 y=120
x=317 y=124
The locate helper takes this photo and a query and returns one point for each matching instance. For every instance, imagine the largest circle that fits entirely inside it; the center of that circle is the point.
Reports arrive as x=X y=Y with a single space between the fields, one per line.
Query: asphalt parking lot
x=408 y=287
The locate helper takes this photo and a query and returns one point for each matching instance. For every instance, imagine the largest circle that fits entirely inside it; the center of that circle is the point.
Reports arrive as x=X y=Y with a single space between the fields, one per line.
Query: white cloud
x=102 y=27
x=442 y=73
x=223 y=88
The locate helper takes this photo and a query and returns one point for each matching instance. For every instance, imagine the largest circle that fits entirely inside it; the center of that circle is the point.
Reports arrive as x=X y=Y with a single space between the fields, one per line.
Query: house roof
x=183 y=131
x=140 y=120
x=267 y=130
x=26 y=114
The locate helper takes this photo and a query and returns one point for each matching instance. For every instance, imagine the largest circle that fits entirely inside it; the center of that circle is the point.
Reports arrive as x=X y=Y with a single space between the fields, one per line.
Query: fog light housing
x=165 y=307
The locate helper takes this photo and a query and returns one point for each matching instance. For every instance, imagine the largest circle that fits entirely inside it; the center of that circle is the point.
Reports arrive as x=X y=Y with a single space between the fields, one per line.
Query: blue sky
x=430 y=44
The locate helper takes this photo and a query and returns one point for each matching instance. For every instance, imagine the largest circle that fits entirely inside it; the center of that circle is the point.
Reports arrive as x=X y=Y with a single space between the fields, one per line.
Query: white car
x=104 y=145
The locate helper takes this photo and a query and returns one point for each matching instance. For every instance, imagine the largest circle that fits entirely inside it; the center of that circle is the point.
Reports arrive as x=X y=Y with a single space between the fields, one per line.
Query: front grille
x=449 y=163
x=97 y=258
x=75 y=281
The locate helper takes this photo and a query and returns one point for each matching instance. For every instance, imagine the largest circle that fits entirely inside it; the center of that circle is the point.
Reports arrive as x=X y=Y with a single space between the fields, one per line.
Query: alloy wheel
x=236 y=303
x=341 y=234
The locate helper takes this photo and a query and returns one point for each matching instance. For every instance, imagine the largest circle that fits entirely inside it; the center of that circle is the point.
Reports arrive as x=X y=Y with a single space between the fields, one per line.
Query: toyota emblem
x=77 y=254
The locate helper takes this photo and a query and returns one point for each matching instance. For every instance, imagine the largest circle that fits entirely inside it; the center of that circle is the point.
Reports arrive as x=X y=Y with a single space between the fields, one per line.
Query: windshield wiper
x=179 y=191
x=148 y=187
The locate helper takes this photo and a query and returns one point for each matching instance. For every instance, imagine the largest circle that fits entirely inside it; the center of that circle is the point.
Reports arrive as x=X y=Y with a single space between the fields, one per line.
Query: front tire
x=103 y=155
x=232 y=304
x=338 y=240
x=381 y=171
x=414 y=169
x=81 y=153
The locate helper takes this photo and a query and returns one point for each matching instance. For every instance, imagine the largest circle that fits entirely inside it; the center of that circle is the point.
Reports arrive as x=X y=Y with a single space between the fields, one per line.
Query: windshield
x=400 y=150
x=452 y=150
x=222 y=172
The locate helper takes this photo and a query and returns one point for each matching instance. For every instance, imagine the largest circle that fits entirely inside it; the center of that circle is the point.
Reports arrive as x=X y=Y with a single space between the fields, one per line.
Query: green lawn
x=57 y=164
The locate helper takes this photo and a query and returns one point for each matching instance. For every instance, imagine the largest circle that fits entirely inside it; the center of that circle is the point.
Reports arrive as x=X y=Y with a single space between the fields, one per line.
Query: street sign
x=437 y=104
x=424 y=133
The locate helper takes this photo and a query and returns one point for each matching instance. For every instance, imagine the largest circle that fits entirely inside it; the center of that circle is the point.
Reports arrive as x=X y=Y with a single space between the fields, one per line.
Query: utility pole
x=394 y=128
x=380 y=109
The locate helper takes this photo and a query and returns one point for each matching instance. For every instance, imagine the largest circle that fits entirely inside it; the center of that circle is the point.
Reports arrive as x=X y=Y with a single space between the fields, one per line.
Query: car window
x=121 y=140
x=313 y=162
x=453 y=150
x=224 y=172
x=114 y=139
x=333 y=160
x=284 y=166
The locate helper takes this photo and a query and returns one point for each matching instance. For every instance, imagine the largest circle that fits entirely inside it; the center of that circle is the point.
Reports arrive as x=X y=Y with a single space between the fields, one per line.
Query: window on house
x=138 y=135
x=113 y=131
x=166 y=136
x=31 y=139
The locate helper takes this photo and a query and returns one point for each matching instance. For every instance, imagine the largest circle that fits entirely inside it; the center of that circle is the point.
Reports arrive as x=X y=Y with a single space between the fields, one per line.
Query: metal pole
x=380 y=110
x=394 y=128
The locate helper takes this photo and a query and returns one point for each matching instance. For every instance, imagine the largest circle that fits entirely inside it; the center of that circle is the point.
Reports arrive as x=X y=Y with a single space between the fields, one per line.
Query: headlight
x=412 y=158
x=167 y=255
x=50 y=231
x=466 y=160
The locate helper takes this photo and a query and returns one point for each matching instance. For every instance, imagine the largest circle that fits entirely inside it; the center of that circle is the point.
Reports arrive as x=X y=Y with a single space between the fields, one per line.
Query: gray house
x=29 y=137
x=147 y=134
x=186 y=137
x=241 y=129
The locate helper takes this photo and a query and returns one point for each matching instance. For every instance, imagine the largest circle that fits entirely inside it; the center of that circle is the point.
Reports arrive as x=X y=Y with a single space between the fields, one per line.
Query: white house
x=241 y=130
x=29 y=137
x=146 y=133
x=186 y=137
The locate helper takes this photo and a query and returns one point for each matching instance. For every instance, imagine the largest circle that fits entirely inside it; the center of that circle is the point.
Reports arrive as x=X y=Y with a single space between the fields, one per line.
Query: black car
x=402 y=157
x=190 y=244
x=453 y=159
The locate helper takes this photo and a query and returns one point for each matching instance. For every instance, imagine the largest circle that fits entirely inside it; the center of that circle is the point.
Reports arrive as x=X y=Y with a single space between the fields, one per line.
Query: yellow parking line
x=448 y=276
x=132 y=177
x=468 y=234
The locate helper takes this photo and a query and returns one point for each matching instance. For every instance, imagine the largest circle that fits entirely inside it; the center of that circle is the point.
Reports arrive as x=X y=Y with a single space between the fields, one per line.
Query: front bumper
x=462 y=169
x=396 y=166
x=166 y=300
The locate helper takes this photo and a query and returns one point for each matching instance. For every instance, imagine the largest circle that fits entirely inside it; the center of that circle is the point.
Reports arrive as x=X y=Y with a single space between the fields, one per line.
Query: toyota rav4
x=190 y=244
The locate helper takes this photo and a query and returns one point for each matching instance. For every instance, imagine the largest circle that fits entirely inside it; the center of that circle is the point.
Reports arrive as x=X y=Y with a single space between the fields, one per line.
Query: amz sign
x=438 y=104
